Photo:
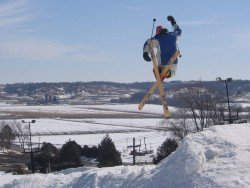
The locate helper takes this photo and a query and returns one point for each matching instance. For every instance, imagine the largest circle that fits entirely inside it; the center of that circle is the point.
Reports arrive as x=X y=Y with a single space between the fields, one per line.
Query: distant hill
x=106 y=92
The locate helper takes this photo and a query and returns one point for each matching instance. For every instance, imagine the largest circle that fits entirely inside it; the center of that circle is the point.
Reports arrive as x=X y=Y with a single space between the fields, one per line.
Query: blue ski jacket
x=166 y=45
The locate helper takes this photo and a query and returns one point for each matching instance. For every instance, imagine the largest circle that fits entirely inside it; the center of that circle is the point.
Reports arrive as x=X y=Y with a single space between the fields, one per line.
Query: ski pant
x=171 y=73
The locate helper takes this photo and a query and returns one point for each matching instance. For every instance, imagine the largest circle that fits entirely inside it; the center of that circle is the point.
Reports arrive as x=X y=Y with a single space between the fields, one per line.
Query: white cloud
x=10 y=7
x=33 y=49
x=15 y=46
x=14 y=12
x=46 y=50
x=10 y=21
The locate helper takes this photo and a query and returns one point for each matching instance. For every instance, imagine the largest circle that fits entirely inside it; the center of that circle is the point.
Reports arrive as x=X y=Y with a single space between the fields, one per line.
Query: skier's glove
x=171 y=19
x=146 y=56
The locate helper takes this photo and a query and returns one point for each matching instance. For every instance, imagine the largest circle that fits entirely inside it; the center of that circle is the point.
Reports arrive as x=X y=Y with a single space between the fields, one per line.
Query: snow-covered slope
x=217 y=157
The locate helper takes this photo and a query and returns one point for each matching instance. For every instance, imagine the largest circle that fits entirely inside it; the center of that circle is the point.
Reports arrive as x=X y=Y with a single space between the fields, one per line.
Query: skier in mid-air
x=166 y=44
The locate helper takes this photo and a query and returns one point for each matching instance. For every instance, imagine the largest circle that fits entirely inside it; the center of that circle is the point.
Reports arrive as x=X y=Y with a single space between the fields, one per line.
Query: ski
x=159 y=83
x=152 y=89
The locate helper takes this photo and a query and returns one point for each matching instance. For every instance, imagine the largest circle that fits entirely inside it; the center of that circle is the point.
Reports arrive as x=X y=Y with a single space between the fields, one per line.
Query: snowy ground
x=88 y=133
x=65 y=127
x=245 y=104
x=91 y=131
x=153 y=140
x=50 y=126
x=217 y=157
x=143 y=123
x=79 y=109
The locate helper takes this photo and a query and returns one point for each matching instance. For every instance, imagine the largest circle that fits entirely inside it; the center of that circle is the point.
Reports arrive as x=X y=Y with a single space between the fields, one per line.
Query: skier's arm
x=176 y=30
x=146 y=52
x=146 y=48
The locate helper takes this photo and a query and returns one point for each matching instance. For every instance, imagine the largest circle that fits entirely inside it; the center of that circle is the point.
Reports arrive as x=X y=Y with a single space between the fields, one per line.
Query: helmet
x=158 y=29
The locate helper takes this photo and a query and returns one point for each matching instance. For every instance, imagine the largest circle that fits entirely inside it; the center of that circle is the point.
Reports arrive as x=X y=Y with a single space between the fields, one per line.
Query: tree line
x=236 y=87
x=72 y=155
x=49 y=157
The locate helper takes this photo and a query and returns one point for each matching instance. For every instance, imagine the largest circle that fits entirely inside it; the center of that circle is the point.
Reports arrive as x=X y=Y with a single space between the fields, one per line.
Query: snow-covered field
x=153 y=140
x=245 y=104
x=92 y=131
x=87 y=132
x=65 y=127
x=153 y=123
x=79 y=109
x=217 y=157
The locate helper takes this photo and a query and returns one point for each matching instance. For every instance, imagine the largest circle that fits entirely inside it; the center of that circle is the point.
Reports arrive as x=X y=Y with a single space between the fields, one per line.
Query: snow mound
x=217 y=157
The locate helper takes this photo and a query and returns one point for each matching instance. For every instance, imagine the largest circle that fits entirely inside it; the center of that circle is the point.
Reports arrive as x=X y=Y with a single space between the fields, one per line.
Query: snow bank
x=217 y=157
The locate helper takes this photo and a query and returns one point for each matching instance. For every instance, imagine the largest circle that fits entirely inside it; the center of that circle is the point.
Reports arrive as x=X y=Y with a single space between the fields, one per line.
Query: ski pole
x=154 y=20
x=153 y=27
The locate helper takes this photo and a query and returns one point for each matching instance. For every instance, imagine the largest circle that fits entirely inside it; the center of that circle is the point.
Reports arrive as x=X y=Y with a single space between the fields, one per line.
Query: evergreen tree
x=70 y=152
x=48 y=154
x=90 y=152
x=6 y=137
x=108 y=155
x=167 y=147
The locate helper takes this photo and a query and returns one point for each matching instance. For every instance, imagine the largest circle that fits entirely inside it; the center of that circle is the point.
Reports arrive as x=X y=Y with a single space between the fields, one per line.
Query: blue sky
x=80 y=40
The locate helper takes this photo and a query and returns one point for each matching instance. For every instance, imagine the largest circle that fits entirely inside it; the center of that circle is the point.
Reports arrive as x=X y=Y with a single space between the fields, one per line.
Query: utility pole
x=39 y=143
x=134 y=151
x=145 y=144
x=140 y=147
x=31 y=149
x=229 y=109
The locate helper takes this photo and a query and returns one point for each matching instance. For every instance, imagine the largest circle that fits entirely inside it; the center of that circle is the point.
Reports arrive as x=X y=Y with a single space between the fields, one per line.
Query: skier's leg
x=159 y=72
x=164 y=76
x=167 y=75
x=173 y=70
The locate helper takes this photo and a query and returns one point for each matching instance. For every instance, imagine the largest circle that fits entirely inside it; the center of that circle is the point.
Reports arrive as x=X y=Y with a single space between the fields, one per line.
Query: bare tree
x=180 y=127
x=248 y=116
x=22 y=133
x=201 y=105
x=2 y=123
